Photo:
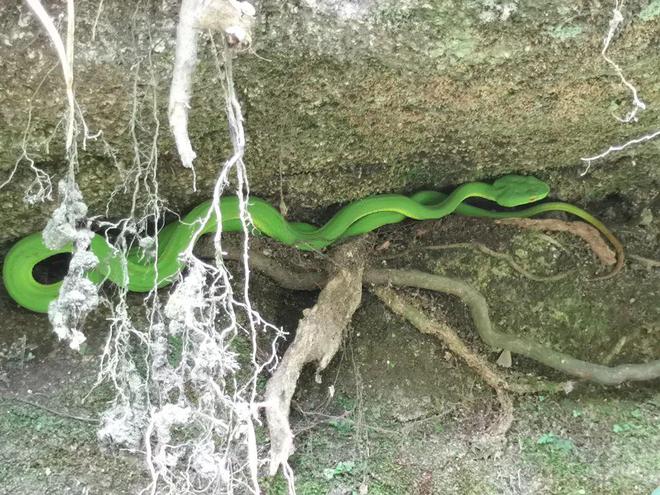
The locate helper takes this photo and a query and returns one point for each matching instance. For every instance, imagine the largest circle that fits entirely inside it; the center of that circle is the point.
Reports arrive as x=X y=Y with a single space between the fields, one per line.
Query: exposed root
x=184 y=68
x=69 y=224
x=585 y=370
x=638 y=104
x=41 y=187
x=231 y=17
x=401 y=306
x=581 y=229
x=65 y=56
x=284 y=274
x=320 y=332
x=648 y=262
x=62 y=414
x=318 y=338
x=78 y=295
x=619 y=147
x=478 y=306
x=501 y=256
x=191 y=409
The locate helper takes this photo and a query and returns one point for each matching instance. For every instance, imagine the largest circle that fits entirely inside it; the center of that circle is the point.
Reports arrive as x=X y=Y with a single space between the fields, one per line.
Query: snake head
x=516 y=190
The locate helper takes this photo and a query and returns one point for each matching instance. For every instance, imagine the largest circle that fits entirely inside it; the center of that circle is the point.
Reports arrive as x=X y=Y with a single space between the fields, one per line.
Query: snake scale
x=354 y=219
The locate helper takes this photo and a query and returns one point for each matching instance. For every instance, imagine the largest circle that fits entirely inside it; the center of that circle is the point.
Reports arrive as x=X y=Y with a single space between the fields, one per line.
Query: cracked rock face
x=342 y=98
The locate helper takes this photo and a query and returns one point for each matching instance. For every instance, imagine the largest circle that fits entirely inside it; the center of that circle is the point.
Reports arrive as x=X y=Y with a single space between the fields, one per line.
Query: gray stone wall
x=344 y=99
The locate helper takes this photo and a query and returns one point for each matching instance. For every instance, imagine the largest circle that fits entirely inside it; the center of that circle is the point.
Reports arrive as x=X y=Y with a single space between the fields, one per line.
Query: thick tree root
x=478 y=306
x=606 y=375
x=320 y=332
x=318 y=338
x=401 y=306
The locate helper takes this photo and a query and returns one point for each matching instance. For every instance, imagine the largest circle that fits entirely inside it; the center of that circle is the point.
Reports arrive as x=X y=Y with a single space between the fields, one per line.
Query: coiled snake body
x=356 y=218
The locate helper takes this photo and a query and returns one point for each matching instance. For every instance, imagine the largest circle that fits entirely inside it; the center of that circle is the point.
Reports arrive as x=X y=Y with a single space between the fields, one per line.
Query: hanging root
x=317 y=340
x=184 y=68
x=69 y=224
x=638 y=104
x=234 y=19
x=185 y=397
x=78 y=295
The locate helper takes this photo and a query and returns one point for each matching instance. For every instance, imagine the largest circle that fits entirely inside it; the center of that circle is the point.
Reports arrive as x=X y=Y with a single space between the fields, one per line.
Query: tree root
x=588 y=233
x=399 y=305
x=318 y=338
x=478 y=306
x=320 y=332
x=605 y=375
x=284 y=274
x=647 y=262
x=501 y=256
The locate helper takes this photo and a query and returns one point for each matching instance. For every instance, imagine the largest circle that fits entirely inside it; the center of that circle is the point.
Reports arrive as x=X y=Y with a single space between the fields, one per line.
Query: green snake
x=354 y=219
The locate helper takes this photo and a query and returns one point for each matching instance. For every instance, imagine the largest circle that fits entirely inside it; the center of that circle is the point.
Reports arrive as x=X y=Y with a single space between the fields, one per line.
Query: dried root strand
x=401 y=306
x=583 y=230
x=318 y=338
x=234 y=19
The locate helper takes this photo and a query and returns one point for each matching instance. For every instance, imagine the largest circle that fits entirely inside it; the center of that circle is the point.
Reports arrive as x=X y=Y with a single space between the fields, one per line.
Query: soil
x=396 y=412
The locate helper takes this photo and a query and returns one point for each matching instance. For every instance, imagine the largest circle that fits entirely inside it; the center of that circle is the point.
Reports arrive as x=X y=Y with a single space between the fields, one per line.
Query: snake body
x=354 y=219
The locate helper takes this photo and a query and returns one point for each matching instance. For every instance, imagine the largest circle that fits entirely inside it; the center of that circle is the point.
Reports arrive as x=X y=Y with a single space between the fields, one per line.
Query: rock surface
x=343 y=98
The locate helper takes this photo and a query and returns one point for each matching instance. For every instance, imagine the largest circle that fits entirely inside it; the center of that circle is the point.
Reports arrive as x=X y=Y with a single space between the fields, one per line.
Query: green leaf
x=555 y=442
x=342 y=468
x=623 y=427
x=546 y=439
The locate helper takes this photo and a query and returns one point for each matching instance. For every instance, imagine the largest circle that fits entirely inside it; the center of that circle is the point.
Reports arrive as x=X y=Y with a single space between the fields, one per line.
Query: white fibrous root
x=184 y=68
x=638 y=104
x=68 y=225
x=65 y=56
x=78 y=295
x=618 y=147
x=185 y=397
x=231 y=17
x=193 y=403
